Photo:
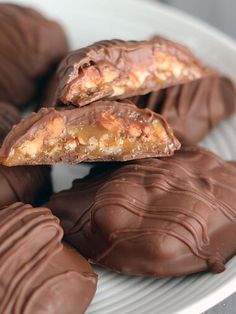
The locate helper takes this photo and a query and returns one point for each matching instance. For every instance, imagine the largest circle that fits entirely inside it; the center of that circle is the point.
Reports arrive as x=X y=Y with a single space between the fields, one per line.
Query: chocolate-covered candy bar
x=193 y=109
x=157 y=217
x=39 y=274
x=116 y=69
x=30 y=45
x=104 y=130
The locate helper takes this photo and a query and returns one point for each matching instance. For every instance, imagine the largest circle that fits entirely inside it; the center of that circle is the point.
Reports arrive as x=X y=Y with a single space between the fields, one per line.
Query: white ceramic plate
x=90 y=20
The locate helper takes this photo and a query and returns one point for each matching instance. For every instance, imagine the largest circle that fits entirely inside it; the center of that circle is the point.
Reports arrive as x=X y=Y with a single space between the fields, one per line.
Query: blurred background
x=219 y=13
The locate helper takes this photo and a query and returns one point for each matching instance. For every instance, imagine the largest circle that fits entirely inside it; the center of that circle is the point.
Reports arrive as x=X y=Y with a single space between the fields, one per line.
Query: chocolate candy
x=157 y=217
x=9 y=115
x=116 y=69
x=39 y=274
x=47 y=98
x=104 y=130
x=26 y=184
x=30 y=46
x=193 y=109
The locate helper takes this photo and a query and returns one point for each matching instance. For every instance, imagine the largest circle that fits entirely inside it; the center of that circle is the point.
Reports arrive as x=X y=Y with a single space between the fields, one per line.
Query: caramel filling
x=106 y=138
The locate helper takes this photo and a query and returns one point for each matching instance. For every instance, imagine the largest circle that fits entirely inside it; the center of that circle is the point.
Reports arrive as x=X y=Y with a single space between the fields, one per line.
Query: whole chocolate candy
x=38 y=273
x=156 y=217
x=195 y=108
x=104 y=130
x=30 y=45
x=117 y=69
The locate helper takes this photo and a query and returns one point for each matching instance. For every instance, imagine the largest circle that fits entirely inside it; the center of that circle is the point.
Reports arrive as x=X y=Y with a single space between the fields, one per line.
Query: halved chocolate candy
x=105 y=130
x=116 y=69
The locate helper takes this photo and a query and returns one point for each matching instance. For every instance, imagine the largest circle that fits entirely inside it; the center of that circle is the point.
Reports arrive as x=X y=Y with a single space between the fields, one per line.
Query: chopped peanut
x=135 y=130
x=109 y=122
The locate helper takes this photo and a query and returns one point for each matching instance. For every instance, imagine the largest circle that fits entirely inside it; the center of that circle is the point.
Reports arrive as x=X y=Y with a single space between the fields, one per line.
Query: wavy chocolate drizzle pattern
x=188 y=198
x=35 y=222
x=34 y=262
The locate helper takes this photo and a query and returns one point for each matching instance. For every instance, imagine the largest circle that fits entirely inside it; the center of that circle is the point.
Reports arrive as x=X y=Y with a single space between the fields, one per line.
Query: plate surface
x=89 y=20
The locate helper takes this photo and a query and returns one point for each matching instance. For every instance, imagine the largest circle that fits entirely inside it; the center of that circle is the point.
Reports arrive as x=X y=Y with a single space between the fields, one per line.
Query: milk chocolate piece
x=26 y=184
x=38 y=273
x=47 y=98
x=157 y=217
x=30 y=45
x=195 y=108
x=9 y=115
x=104 y=130
x=29 y=184
x=116 y=69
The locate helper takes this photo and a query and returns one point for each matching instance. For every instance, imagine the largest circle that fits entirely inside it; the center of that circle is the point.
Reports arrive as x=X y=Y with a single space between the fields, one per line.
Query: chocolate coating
x=193 y=109
x=9 y=115
x=104 y=130
x=30 y=46
x=39 y=274
x=27 y=184
x=116 y=69
x=157 y=217
x=47 y=98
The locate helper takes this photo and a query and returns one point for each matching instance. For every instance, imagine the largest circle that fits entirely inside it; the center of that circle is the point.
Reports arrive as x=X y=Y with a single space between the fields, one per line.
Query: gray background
x=221 y=14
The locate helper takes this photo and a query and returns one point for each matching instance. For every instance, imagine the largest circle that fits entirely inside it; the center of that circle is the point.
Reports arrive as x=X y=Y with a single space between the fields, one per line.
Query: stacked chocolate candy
x=151 y=207
x=38 y=272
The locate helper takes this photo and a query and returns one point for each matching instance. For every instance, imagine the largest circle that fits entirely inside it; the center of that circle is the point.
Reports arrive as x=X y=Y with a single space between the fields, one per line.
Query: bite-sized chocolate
x=9 y=115
x=104 y=130
x=157 y=217
x=38 y=273
x=30 y=45
x=195 y=108
x=116 y=69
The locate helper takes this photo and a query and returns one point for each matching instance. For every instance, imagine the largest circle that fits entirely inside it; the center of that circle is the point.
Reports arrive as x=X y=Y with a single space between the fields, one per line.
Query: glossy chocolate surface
x=102 y=131
x=156 y=217
x=30 y=45
x=117 y=69
x=39 y=274
x=193 y=109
